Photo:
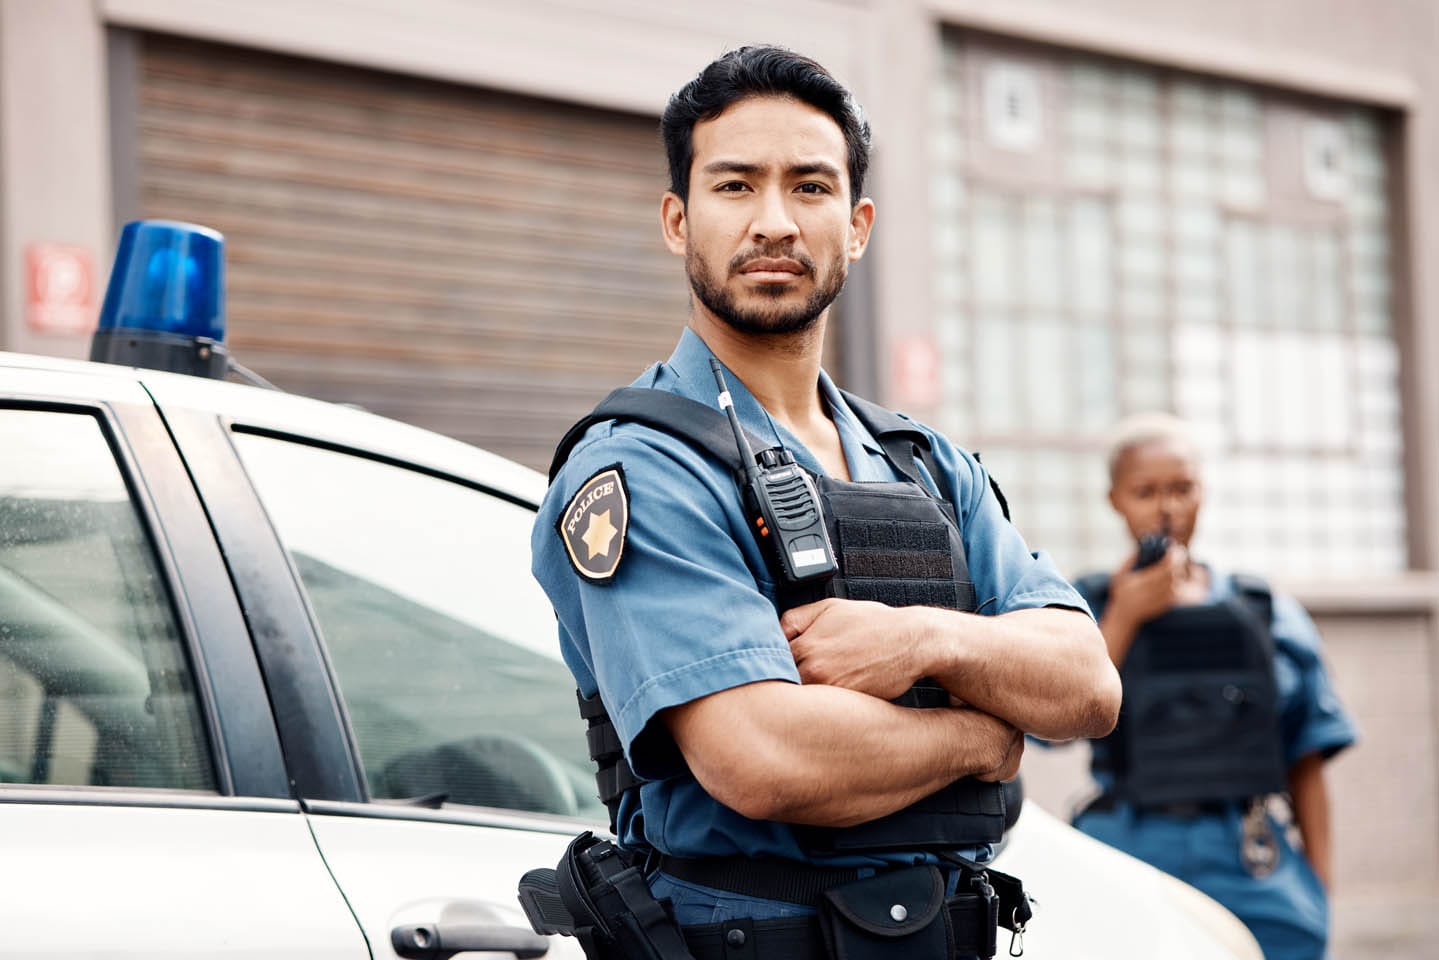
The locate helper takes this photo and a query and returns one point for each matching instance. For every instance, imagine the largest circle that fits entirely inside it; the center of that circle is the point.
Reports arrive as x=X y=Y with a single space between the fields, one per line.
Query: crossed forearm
x=1045 y=671
x=826 y=756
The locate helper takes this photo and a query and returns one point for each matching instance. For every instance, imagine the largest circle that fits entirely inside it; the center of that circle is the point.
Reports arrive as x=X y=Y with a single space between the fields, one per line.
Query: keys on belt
x=1258 y=846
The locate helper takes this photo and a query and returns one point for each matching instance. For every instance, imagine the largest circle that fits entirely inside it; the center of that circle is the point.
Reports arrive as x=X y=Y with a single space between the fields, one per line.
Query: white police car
x=275 y=681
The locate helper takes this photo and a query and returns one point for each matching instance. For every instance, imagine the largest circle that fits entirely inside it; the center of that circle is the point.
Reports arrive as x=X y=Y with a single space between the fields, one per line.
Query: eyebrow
x=805 y=169
x=798 y=169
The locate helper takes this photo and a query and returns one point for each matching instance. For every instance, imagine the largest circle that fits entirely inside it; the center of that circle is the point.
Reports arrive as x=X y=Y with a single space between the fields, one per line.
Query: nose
x=773 y=220
x=1168 y=507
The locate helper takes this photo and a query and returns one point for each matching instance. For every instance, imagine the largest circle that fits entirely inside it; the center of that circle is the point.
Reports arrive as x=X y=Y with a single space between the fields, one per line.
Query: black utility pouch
x=893 y=916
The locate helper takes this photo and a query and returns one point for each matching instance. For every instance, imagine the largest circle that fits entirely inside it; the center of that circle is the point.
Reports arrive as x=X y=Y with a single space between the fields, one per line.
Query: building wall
x=54 y=153
x=55 y=186
x=1113 y=238
x=1345 y=49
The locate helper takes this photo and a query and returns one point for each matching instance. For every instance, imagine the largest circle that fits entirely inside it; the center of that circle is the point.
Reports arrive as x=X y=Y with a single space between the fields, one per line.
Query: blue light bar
x=165 y=305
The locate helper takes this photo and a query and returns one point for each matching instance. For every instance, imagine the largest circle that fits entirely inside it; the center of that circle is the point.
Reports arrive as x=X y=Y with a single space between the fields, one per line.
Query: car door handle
x=431 y=941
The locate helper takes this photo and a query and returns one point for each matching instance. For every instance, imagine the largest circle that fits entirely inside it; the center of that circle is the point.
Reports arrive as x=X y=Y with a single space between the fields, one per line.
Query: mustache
x=779 y=251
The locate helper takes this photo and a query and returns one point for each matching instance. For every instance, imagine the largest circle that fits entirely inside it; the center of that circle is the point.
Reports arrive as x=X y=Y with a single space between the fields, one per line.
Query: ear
x=861 y=221
x=673 y=223
x=1113 y=502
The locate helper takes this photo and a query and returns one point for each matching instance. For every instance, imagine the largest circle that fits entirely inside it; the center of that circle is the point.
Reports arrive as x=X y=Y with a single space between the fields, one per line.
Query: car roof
x=277 y=412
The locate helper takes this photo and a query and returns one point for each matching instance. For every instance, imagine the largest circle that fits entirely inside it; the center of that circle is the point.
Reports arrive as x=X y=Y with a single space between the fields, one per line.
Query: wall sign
x=59 y=296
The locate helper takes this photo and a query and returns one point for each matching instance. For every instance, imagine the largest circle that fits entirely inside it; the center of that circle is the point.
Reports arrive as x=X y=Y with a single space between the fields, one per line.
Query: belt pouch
x=898 y=915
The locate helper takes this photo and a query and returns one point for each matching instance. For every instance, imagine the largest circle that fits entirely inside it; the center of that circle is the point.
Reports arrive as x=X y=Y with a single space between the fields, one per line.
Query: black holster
x=599 y=896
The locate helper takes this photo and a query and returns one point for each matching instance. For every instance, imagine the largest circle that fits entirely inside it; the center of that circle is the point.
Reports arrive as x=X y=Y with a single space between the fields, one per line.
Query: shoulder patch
x=594 y=524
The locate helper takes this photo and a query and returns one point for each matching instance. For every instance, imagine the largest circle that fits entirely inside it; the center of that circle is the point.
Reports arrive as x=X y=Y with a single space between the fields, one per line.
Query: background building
x=446 y=211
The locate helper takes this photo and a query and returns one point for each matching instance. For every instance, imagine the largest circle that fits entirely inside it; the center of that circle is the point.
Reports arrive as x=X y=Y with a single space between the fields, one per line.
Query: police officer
x=766 y=767
x=1226 y=702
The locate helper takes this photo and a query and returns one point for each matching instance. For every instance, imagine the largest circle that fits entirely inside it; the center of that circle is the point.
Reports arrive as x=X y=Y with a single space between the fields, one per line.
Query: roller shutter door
x=483 y=264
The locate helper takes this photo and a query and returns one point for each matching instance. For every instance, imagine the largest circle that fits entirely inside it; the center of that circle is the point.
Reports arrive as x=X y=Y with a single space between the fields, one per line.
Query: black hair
x=760 y=71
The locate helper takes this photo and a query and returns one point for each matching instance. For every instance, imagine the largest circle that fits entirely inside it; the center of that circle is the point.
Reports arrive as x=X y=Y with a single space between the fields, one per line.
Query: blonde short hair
x=1146 y=428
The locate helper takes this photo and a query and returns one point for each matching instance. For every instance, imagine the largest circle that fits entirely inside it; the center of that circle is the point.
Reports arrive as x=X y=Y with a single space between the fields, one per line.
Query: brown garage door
x=482 y=264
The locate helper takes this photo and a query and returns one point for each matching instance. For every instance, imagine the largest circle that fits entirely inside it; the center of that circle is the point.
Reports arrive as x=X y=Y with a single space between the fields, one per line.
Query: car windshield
x=443 y=646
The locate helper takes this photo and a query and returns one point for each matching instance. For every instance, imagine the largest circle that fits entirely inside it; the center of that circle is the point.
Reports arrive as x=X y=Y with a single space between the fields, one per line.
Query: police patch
x=593 y=526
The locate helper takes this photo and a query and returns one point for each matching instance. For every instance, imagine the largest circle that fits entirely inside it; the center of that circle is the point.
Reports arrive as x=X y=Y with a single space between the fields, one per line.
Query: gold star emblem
x=599 y=534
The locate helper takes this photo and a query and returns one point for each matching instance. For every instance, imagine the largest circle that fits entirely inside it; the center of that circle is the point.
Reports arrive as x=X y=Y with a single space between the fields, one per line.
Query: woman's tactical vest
x=1200 y=720
x=896 y=543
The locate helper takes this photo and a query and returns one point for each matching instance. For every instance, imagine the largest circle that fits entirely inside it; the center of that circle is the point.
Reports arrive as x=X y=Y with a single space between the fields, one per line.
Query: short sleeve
x=683 y=616
x=1312 y=719
x=1007 y=575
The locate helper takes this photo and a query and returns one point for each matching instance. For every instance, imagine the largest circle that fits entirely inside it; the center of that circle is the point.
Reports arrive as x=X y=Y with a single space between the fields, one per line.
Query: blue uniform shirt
x=1286 y=911
x=691 y=608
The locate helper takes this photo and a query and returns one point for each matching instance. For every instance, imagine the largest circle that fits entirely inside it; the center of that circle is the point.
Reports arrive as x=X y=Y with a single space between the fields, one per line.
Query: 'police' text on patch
x=594 y=524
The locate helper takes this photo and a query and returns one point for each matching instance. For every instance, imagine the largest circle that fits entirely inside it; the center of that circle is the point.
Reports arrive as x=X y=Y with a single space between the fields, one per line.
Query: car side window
x=442 y=645
x=95 y=686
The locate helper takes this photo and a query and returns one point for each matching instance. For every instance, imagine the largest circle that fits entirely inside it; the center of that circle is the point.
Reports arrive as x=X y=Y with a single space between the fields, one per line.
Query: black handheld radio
x=1152 y=548
x=782 y=503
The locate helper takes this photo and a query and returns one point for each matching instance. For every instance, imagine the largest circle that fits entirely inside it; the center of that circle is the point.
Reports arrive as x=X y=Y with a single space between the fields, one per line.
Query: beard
x=773 y=317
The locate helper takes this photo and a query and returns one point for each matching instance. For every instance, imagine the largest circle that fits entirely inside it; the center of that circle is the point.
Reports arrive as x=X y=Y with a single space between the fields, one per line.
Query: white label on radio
x=807 y=558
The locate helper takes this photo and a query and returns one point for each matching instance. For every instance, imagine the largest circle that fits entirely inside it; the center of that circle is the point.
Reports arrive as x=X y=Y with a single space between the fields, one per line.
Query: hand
x=856 y=644
x=999 y=746
x=1141 y=595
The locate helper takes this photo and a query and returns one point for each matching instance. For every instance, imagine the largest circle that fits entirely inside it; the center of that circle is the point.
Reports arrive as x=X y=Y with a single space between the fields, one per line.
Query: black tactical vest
x=896 y=543
x=1200 y=719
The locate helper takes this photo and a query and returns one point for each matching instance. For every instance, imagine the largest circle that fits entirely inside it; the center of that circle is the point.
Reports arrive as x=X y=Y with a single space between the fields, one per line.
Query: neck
x=780 y=370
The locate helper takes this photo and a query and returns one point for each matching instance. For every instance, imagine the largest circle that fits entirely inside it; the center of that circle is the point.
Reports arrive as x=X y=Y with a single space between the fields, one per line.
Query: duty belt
x=1188 y=810
x=1259 y=848
x=799 y=938
x=972 y=916
x=597 y=894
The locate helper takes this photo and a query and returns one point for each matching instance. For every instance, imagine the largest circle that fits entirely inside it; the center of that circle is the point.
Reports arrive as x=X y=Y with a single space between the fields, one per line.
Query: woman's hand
x=1141 y=595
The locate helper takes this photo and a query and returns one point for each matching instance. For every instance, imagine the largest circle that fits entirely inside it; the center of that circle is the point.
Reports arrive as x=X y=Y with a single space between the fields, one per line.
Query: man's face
x=1156 y=488
x=768 y=231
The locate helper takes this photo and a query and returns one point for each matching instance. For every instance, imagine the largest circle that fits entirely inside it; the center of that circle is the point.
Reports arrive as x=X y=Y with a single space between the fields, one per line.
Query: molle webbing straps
x=613 y=775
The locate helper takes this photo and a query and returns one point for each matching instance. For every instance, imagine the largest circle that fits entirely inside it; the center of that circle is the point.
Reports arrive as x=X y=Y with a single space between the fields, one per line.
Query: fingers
x=797 y=620
x=1008 y=766
x=1001 y=752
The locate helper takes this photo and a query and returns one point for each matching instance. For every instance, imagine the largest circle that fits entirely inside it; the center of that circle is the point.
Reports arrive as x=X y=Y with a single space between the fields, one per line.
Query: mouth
x=772 y=270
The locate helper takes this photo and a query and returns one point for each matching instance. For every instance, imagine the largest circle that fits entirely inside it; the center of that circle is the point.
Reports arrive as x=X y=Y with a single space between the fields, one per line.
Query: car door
x=144 y=806
x=468 y=764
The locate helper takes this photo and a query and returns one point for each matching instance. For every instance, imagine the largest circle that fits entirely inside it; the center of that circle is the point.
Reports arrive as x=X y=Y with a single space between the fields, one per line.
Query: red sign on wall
x=916 y=372
x=59 y=288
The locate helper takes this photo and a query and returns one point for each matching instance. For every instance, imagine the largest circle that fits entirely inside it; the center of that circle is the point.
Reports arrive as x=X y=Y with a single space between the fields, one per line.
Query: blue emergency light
x=165 y=306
